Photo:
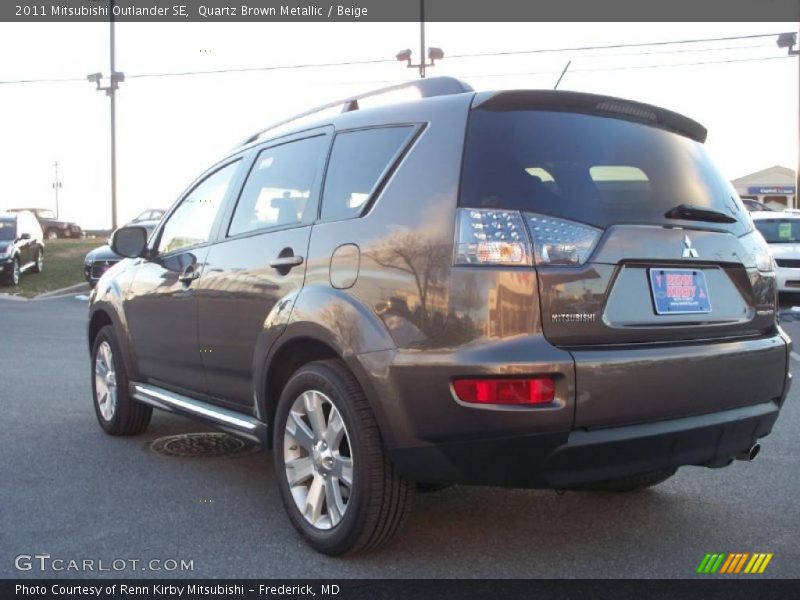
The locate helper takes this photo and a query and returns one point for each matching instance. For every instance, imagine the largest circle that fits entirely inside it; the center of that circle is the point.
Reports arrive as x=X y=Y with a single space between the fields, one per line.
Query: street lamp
x=434 y=54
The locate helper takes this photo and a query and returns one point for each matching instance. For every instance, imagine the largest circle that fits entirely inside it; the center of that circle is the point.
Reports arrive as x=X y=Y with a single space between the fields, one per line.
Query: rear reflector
x=540 y=390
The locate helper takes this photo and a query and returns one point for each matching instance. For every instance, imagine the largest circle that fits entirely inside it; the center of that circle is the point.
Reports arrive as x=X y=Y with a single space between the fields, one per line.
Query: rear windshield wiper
x=694 y=213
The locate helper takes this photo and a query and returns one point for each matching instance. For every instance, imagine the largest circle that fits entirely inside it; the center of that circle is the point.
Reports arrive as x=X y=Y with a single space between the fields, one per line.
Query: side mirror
x=25 y=236
x=130 y=242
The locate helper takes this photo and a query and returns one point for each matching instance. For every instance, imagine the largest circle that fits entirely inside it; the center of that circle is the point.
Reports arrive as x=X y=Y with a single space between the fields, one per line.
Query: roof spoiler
x=596 y=105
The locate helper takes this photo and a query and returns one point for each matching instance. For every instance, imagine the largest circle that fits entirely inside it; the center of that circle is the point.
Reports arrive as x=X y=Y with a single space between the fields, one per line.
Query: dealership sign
x=780 y=189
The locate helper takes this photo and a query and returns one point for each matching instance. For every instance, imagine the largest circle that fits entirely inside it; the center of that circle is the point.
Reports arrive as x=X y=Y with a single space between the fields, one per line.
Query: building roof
x=773 y=175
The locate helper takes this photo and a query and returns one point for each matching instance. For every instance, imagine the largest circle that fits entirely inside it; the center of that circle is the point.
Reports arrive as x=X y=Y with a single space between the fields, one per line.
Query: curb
x=67 y=291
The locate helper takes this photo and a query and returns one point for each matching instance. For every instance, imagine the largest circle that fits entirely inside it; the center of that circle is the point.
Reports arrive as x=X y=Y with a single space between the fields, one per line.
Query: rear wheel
x=341 y=492
x=117 y=412
x=38 y=266
x=632 y=483
x=52 y=234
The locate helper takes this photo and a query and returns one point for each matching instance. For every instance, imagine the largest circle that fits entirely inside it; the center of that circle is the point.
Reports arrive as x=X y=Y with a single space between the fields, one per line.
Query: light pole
x=115 y=79
x=56 y=187
x=789 y=41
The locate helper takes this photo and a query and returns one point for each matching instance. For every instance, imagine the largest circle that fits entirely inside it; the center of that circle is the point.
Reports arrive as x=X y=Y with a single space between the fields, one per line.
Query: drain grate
x=202 y=445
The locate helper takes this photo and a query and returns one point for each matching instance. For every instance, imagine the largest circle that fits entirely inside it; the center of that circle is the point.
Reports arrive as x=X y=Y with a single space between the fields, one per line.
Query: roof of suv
x=448 y=89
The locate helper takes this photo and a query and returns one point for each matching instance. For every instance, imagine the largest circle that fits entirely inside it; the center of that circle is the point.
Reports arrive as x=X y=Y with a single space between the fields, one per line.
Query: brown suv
x=518 y=288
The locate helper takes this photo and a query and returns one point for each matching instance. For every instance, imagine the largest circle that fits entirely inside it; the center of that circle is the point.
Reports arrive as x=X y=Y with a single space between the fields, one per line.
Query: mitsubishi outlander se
x=534 y=289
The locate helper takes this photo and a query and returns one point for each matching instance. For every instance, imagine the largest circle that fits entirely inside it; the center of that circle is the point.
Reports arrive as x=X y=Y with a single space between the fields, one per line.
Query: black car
x=52 y=227
x=21 y=246
x=524 y=288
x=101 y=259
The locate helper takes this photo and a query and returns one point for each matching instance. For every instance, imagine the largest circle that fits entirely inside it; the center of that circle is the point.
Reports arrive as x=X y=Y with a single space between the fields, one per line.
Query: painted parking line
x=795 y=356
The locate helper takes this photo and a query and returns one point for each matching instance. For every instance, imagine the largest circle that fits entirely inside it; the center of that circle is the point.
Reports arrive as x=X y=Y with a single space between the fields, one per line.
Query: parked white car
x=782 y=232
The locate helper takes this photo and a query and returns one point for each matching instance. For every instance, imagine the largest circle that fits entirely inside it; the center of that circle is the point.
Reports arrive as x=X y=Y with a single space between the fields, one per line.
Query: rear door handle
x=286 y=262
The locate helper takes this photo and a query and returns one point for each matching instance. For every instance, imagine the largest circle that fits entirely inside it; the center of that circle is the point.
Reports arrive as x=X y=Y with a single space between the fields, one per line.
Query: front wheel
x=52 y=234
x=13 y=276
x=341 y=492
x=117 y=412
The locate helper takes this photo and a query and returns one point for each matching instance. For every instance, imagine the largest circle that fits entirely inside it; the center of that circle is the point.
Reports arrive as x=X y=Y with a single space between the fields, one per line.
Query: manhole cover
x=202 y=445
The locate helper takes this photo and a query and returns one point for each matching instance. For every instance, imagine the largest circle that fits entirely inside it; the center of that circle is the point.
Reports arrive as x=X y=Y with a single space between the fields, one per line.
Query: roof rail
x=427 y=88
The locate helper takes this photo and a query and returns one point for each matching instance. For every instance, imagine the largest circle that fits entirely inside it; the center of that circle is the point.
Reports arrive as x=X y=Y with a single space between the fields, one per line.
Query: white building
x=776 y=187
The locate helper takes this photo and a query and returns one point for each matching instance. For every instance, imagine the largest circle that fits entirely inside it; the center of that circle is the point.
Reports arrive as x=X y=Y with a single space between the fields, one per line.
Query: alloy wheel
x=15 y=273
x=105 y=381
x=318 y=460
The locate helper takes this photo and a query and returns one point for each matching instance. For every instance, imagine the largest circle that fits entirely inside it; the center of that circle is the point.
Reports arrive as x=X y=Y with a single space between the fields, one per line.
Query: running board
x=228 y=420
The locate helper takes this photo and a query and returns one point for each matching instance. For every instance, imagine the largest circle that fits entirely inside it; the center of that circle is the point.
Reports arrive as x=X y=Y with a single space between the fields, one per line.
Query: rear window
x=592 y=169
x=779 y=231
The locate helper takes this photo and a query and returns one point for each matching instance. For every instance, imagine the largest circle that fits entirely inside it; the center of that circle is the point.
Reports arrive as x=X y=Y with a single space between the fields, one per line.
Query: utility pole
x=422 y=38
x=113 y=96
x=56 y=187
x=115 y=79
x=789 y=41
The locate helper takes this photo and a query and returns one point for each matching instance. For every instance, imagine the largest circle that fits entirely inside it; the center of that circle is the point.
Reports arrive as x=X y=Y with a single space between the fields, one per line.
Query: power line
x=216 y=71
x=614 y=46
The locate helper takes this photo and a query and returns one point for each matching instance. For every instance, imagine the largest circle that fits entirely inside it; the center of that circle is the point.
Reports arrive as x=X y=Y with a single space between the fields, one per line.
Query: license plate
x=679 y=291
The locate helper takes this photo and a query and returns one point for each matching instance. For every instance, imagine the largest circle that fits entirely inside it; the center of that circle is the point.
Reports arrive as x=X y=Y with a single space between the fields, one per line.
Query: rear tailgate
x=649 y=269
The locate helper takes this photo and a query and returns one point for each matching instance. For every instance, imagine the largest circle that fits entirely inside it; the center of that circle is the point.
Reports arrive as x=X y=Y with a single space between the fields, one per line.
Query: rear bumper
x=576 y=458
x=432 y=437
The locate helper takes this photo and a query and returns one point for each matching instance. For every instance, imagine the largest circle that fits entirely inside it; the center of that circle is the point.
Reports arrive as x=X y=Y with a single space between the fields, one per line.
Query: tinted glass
x=597 y=170
x=192 y=221
x=279 y=189
x=779 y=231
x=357 y=161
x=8 y=230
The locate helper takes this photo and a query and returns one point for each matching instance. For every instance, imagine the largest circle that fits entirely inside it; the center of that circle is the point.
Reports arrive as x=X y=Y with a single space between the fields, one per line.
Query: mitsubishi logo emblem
x=688 y=251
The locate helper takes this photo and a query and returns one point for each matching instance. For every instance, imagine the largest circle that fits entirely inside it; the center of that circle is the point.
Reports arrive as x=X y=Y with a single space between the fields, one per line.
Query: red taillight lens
x=540 y=390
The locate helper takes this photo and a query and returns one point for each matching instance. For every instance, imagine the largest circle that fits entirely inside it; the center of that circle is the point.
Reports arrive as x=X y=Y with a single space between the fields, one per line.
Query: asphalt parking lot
x=70 y=491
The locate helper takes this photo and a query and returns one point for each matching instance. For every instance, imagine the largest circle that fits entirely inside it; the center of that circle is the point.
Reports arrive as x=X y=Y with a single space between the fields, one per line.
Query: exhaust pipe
x=749 y=455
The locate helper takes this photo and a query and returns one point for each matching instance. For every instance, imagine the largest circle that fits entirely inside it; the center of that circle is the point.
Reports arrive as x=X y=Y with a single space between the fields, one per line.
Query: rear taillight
x=491 y=237
x=503 y=237
x=560 y=242
x=538 y=390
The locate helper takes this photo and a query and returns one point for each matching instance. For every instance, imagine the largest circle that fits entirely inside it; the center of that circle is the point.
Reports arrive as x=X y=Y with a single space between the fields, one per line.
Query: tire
x=377 y=501
x=38 y=265
x=632 y=483
x=13 y=277
x=117 y=412
x=52 y=234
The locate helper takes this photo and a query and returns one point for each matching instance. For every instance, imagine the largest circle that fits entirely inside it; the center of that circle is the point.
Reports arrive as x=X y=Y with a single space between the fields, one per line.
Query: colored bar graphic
x=734 y=563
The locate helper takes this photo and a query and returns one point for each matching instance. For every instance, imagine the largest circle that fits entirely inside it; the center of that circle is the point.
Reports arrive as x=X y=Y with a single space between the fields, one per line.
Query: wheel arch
x=322 y=326
x=101 y=315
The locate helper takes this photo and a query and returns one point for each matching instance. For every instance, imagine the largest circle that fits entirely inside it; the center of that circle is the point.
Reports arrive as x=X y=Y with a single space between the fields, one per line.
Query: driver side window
x=190 y=224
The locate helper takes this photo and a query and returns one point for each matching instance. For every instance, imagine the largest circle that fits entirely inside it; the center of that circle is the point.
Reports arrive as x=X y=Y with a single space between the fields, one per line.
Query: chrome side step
x=228 y=420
